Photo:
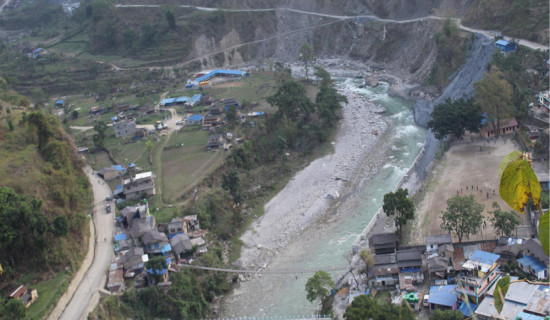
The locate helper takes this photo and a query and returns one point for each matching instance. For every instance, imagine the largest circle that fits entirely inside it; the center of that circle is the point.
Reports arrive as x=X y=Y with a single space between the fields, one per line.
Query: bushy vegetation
x=44 y=199
x=525 y=19
x=452 y=49
x=364 y=307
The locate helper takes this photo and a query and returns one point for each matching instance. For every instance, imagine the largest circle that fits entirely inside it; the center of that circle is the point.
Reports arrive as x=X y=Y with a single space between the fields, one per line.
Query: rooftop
x=143 y=175
x=382 y=240
x=439 y=239
x=443 y=295
x=482 y=260
x=535 y=248
x=533 y=263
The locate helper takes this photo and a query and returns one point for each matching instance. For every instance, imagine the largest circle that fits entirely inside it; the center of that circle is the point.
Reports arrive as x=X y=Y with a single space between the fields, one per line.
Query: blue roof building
x=484 y=257
x=443 y=297
x=120 y=236
x=221 y=73
x=59 y=103
x=467 y=309
x=505 y=46
x=194 y=119
x=528 y=316
x=533 y=266
x=118 y=167
x=181 y=100
x=168 y=102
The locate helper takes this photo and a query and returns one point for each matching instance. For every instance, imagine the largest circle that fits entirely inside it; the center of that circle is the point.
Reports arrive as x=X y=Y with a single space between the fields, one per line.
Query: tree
x=463 y=216
x=306 y=56
x=504 y=221
x=541 y=146
x=60 y=226
x=74 y=115
x=399 y=205
x=368 y=259
x=129 y=40
x=231 y=182
x=99 y=138
x=454 y=117
x=147 y=35
x=44 y=129
x=446 y=315
x=364 y=307
x=291 y=100
x=171 y=19
x=323 y=75
x=156 y=266
x=282 y=73
x=494 y=95
x=14 y=309
x=318 y=286
x=231 y=115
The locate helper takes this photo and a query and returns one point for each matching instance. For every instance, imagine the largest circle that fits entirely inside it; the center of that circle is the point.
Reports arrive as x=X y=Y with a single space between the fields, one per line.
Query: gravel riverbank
x=308 y=195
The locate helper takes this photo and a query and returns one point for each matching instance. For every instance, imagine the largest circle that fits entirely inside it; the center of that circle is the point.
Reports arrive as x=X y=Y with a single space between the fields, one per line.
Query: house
x=385 y=270
x=194 y=100
x=205 y=100
x=383 y=243
x=27 y=296
x=116 y=280
x=194 y=119
x=175 y=227
x=140 y=133
x=432 y=242
x=112 y=172
x=59 y=103
x=509 y=249
x=215 y=141
x=146 y=109
x=123 y=107
x=544 y=100
x=443 y=297
x=134 y=187
x=168 y=102
x=140 y=227
x=409 y=263
x=535 y=260
x=133 y=261
x=181 y=100
x=95 y=110
x=129 y=213
x=220 y=73
x=157 y=276
x=181 y=246
x=215 y=110
x=505 y=126
x=478 y=274
x=212 y=120
x=505 y=46
x=231 y=102
x=191 y=223
x=155 y=243
x=124 y=128
x=200 y=243
x=520 y=300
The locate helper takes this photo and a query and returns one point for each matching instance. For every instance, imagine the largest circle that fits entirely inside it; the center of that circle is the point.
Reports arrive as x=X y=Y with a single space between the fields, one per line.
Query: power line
x=262 y=271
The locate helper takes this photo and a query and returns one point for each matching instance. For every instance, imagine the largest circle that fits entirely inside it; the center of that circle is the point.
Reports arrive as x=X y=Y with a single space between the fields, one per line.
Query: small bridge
x=263 y=271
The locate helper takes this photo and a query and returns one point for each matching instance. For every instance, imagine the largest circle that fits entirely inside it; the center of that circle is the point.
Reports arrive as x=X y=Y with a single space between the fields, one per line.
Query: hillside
x=44 y=200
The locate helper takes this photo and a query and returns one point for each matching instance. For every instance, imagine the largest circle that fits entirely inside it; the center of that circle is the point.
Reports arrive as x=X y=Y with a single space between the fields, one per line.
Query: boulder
x=371 y=82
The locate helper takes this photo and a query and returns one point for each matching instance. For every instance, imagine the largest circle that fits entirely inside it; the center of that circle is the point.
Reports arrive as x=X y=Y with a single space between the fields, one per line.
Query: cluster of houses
x=139 y=238
x=203 y=79
x=461 y=276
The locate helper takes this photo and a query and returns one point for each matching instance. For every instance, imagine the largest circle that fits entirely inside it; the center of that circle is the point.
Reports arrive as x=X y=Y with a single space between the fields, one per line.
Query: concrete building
x=140 y=183
x=477 y=275
x=535 y=260
x=124 y=128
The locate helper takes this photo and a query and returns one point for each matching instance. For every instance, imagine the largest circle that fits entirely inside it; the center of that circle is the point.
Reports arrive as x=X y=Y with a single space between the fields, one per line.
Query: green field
x=184 y=166
x=49 y=292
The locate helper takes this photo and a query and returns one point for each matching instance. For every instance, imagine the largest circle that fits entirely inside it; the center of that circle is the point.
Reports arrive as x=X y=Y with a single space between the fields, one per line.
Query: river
x=325 y=244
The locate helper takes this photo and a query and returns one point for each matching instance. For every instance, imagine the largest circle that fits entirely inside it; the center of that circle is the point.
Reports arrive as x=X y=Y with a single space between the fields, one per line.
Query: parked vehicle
x=108 y=207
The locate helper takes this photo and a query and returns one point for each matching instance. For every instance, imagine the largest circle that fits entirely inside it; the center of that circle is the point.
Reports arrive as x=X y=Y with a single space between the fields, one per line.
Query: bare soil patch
x=469 y=167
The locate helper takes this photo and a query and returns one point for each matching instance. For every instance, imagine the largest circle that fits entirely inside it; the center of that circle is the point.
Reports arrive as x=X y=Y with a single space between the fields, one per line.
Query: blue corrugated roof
x=443 y=295
x=60 y=102
x=220 y=71
x=484 y=257
x=195 y=98
x=151 y=271
x=118 y=167
x=533 y=263
x=114 y=118
x=527 y=316
x=466 y=310
x=166 y=248
x=119 y=187
x=168 y=100
x=120 y=236
x=181 y=99
x=131 y=165
x=502 y=42
x=195 y=117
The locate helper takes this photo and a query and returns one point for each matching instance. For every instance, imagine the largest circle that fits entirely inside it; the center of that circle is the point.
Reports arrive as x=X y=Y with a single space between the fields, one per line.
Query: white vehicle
x=179 y=123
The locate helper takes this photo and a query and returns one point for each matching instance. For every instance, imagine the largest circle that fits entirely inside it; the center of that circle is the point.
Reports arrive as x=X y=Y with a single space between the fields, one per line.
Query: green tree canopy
x=14 y=309
x=368 y=259
x=364 y=307
x=454 y=117
x=494 y=95
x=157 y=265
x=231 y=182
x=504 y=221
x=463 y=216
x=318 y=286
x=306 y=56
x=292 y=101
x=399 y=205
x=60 y=226
x=99 y=138
x=170 y=19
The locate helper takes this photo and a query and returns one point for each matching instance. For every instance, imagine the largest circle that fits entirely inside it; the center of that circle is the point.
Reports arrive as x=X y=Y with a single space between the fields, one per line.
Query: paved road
x=87 y=295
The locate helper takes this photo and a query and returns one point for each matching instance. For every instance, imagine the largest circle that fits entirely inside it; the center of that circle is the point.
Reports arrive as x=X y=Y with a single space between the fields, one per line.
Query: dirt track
x=467 y=163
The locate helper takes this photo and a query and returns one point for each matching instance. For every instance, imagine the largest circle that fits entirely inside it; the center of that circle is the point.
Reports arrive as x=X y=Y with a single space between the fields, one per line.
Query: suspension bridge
x=264 y=271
